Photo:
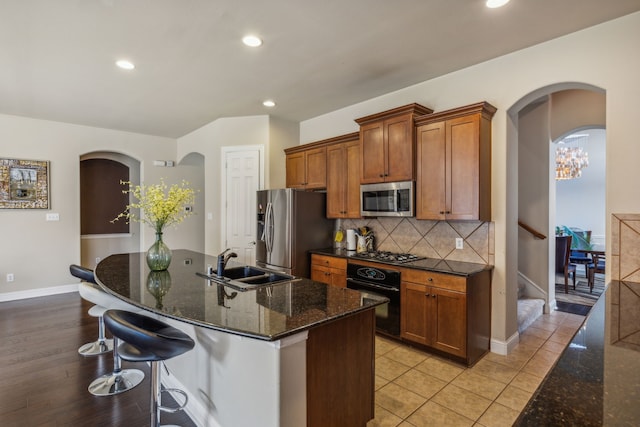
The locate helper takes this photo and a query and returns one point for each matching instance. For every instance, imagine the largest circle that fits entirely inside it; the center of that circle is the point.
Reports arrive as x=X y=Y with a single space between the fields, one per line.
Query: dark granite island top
x=179 y=293
x=271 y=356
x=596 y=381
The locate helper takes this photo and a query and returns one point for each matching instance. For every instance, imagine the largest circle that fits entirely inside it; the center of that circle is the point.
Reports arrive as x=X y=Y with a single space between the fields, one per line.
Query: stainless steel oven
x=373 y=281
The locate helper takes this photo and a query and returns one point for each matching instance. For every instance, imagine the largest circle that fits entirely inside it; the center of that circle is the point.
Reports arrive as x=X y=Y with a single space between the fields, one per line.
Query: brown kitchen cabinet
x=453 y=164
x=447 y=313
x=343 y=178
x=306 y=167
x=387 y=144
x=329 y=269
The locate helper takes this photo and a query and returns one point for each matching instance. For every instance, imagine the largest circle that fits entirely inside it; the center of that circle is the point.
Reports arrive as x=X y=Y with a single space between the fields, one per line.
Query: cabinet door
x=430 y=163
x=351 y=178
x=448 y=320
x=320 y=274
x=463 y=141
x=295 y=174
x=316 y=168
x=413 y=324
x=336 y=188
x=372 y=153
x=339 y=277
x=399 y=148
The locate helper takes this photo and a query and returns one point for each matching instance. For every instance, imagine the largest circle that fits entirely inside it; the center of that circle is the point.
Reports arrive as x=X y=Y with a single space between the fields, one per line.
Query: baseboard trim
x=505 y=347
x=40 y=292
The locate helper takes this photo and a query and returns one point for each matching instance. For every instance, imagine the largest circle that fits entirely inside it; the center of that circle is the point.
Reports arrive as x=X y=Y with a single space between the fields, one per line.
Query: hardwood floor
x=43 y=378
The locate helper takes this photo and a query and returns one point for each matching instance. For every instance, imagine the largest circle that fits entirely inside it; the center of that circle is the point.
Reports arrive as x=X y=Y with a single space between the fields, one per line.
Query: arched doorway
x=100 y=176
x=536 y=121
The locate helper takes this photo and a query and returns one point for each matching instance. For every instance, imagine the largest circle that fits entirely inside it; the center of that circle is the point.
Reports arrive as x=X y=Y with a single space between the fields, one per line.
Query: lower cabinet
x=328 y=269
x=448 y=313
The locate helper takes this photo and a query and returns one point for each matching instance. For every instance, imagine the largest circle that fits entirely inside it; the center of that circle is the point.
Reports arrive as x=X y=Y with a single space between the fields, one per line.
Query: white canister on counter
x=351 y=239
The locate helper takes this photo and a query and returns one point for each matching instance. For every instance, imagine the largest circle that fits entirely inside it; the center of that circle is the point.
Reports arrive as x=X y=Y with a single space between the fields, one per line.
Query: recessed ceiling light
x=496 y=3
x=252 y=41
x=269 y=103
x=125 y=65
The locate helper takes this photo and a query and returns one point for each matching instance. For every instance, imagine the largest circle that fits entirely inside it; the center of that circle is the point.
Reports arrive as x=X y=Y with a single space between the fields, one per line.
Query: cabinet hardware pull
x=430 y=279
x=381 y=175
x=441 y=212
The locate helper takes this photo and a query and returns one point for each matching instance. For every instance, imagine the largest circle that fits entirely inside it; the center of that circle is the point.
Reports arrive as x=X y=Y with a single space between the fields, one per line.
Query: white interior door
x=242 y=177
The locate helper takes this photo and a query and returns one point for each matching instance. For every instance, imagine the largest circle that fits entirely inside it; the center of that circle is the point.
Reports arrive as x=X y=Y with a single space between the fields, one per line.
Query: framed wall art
x=24 y=184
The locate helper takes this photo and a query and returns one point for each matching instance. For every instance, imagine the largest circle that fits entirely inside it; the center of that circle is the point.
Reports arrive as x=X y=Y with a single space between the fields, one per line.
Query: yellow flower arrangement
x=159 y=204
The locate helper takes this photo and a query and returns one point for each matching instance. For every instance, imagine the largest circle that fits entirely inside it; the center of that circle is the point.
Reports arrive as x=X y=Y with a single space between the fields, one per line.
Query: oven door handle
x=372 y=285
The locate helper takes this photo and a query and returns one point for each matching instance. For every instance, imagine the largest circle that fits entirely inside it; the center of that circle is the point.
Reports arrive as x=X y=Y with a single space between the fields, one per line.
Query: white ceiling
x=57 y=56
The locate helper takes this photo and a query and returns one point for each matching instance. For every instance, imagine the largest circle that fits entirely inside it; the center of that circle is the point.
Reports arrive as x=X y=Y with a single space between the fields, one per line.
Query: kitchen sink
x=246 y=277
x=242 y=272
x=269 y=279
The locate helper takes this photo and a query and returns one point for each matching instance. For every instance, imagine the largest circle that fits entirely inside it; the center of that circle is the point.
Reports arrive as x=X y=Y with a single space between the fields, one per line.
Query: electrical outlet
x=10 y=277
x=459 y=243
x=97 y=259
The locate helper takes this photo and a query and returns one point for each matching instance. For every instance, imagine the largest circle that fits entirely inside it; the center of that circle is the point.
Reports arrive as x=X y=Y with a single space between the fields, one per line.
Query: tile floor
x=414 y=388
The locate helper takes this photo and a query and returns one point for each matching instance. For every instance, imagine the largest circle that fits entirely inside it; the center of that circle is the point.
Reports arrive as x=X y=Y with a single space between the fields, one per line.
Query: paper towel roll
x=351 y=239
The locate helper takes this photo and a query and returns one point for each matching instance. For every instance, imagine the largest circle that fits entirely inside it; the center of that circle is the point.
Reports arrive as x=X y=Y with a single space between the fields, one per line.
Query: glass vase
x=158 y=255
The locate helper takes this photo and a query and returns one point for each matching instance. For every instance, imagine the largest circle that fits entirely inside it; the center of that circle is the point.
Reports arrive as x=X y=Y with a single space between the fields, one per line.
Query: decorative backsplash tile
x=625 y=247
x=433 y=239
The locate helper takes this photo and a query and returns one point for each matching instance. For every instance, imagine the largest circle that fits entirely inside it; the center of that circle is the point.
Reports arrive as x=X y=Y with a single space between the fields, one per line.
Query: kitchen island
x=290 y=354
x=596 y=381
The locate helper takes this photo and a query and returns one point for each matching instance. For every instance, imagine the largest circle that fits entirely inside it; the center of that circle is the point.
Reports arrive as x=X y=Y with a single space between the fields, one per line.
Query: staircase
x=529 y=308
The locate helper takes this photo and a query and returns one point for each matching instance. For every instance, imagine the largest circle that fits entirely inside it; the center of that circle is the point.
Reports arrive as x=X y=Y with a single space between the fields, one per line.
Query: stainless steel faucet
x=222 y=261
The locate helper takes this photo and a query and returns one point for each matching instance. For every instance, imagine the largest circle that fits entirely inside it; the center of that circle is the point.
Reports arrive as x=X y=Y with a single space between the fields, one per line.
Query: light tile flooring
x=414 y=388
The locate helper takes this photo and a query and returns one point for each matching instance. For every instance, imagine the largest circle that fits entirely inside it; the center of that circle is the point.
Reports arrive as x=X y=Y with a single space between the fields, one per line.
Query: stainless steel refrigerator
x=290 y=223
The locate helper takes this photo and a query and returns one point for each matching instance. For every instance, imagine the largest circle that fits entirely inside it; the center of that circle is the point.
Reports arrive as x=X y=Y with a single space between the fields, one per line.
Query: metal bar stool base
x=97 y=347
x=110 y=384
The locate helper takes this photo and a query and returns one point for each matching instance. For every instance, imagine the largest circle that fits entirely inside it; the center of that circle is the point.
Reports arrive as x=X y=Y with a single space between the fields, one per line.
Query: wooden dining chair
x=597 y=266
x=563 y=266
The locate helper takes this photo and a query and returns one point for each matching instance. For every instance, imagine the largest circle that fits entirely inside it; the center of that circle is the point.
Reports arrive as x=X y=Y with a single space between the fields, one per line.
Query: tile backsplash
x=433 y=239
x=625 y=247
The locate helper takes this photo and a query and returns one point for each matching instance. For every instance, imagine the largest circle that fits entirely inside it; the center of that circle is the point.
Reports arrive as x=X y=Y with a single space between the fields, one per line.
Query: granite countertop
x=458 y=268
x=267 y=313
x=596 y=381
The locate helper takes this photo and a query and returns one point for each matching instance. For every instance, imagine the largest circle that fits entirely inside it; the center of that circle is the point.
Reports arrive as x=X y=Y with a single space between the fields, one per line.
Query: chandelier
x=570 y=160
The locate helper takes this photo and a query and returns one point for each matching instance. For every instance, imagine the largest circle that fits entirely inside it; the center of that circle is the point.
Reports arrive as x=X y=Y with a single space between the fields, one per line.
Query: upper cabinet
x=306 y=166
x=387 y=144
x=453 y=162
x=343 y=177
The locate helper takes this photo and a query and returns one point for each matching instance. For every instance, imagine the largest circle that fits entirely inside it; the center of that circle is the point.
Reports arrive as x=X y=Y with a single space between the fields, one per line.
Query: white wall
x=208 y=141
x=603 y=56
x=38 y=252
x=580 y=201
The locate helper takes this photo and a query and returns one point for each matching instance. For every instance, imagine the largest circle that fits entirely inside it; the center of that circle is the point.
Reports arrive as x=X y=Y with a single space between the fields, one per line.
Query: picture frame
x=24 y=184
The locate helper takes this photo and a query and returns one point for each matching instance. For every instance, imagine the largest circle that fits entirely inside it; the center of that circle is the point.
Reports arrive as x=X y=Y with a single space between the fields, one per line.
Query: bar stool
x=119 y=380
x=145 y=339
x=102 y=344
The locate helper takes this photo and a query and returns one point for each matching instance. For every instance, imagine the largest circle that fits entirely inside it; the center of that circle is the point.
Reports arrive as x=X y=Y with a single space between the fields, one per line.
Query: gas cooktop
x=391 y=257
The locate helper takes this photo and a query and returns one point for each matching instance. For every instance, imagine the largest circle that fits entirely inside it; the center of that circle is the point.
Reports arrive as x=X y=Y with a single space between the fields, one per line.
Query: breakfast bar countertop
x=458 y=268
x=596 y=380
x=266 y=313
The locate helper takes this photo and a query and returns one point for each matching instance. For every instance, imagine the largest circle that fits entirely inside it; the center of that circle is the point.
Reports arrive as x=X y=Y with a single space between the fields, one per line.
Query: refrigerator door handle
x=269 y=227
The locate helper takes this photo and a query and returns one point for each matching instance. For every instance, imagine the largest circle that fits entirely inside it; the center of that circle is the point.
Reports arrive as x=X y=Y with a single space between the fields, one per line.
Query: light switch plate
x=53 y=217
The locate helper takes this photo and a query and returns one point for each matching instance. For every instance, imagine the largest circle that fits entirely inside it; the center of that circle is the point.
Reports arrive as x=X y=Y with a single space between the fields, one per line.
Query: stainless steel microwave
x=387 y=199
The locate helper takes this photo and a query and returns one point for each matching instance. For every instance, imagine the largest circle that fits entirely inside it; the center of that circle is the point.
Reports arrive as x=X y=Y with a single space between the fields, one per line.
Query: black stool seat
x=82 y=273
x=149 y=340
x=146 y=339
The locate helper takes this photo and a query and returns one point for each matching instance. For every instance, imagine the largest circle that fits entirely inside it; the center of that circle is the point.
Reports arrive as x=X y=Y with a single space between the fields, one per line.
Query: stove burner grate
x=398 y=258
